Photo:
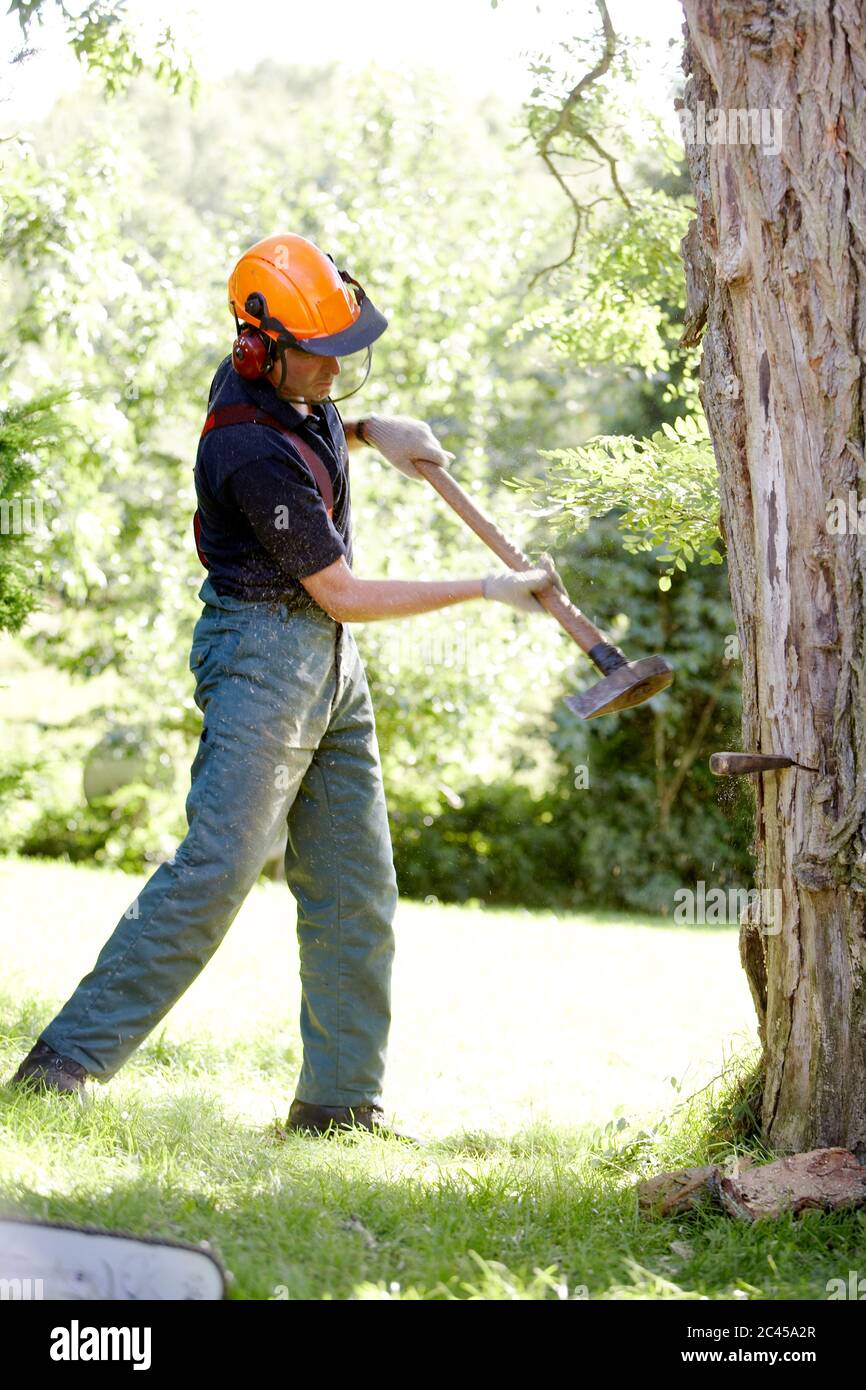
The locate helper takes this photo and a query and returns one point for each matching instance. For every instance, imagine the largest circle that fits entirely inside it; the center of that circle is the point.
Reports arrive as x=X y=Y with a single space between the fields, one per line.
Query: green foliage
x=27 y=431
x=114 y=280
x=104 y=41
x=654 y=819
x=614 y=300
x=498 y=845
x=118 y=281
x=665 y=490
x=625 y=202
x=132 y=829
x=619 y=298
x=630 y=812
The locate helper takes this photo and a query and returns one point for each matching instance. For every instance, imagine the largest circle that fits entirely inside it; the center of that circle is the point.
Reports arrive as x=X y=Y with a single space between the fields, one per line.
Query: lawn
x=545 y=1063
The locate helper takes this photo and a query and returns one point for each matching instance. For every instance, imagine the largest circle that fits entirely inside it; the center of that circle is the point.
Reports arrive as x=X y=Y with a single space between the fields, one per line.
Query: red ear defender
x=251 y=354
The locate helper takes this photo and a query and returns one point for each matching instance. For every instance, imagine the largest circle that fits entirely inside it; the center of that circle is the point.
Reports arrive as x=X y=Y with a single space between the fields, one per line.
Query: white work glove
x=400 y=439
x=516 y=587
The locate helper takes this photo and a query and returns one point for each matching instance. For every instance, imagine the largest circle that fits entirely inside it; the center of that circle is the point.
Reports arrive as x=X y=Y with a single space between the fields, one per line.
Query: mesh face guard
x=355 y=368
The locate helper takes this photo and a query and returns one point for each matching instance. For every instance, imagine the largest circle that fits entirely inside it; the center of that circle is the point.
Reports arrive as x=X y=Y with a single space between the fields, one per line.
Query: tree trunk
x=776 y=270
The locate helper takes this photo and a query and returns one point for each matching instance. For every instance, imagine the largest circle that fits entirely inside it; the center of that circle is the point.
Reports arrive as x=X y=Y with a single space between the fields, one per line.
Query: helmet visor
x=368 y=326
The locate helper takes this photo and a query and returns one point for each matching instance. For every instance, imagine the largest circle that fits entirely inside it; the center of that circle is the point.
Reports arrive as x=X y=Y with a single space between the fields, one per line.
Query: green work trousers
x=288 y=739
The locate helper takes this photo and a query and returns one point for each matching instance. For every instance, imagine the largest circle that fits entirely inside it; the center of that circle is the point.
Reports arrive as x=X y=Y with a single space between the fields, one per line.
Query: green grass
x=546 y=1063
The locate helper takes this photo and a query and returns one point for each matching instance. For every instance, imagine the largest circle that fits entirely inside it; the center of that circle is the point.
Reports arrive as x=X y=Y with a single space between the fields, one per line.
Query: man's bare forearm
x=368 y=599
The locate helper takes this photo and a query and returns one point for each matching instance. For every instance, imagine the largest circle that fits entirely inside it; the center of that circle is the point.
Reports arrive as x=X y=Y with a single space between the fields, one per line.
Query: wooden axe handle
x=578 y=627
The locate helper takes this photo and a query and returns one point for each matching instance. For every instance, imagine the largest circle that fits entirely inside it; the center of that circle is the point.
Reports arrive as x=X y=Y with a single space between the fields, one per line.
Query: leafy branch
x=665 y=489
x=102 y=39
x=572 y=118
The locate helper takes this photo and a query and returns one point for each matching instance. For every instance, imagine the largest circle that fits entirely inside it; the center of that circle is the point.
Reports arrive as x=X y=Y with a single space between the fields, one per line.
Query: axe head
x=628 y=685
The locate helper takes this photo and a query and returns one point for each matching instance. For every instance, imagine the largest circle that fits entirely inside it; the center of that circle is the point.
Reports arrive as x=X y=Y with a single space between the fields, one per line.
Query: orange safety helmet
x=293 y=294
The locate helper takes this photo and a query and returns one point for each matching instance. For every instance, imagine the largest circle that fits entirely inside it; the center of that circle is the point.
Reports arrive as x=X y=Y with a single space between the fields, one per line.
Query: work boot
x=328 y=1119
x=45 y=1068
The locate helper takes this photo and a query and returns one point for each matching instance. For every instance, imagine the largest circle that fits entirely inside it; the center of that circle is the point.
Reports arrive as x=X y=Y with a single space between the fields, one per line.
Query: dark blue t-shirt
x=263 y=521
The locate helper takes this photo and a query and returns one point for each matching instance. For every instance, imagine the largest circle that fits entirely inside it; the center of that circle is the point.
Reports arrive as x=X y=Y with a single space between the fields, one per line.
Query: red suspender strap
x=317 y=468
x=250 y=415
x=196 y=530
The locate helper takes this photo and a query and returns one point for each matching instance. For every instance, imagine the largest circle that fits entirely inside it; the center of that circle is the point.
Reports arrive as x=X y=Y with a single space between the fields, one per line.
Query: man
x=288 y=737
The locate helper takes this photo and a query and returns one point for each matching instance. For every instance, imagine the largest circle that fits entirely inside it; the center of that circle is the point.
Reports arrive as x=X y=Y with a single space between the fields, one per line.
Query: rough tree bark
x=776 y=272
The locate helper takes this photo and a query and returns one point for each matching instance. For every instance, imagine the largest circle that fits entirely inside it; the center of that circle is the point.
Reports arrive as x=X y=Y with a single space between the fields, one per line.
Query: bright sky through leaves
x=484 y=49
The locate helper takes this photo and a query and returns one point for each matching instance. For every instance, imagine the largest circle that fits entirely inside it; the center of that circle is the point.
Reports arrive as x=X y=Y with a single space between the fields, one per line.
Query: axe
x=625 y=682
